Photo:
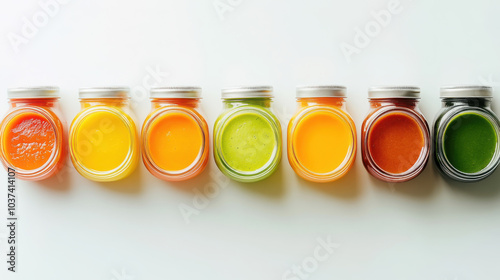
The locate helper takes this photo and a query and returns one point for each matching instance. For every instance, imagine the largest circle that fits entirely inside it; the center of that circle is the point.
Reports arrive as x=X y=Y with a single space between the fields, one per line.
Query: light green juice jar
x=247 y=135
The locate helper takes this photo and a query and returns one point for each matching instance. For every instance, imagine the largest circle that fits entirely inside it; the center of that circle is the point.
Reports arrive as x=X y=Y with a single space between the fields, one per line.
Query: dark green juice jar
x=466 y=134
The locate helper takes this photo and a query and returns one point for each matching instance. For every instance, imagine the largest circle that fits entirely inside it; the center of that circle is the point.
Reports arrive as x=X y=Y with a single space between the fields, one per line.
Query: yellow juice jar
x=103 y=138
x=321 y=135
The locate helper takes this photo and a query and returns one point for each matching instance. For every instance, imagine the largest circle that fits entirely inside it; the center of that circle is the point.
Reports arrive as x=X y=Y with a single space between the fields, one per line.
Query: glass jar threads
x=466 y=134
x=103 y=137
x=175 y=138
x=247 y=135
x=395 y=135
x=321 y=135
x=33 y=133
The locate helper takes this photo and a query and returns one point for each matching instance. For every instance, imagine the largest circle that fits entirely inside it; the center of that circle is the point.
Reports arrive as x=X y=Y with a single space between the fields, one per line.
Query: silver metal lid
x=393 y=92
x=175 y=92
x=104 y=92
x=470 y=91
x=33 y=92
x=247 y=92
x=321 y=91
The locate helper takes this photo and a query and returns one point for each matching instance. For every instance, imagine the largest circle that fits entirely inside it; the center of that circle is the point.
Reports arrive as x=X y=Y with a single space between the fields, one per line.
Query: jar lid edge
x=236 y=92
x=378 y=92
x=304 y=91
x=33 y=92
x=121 y=92
x=466 y=91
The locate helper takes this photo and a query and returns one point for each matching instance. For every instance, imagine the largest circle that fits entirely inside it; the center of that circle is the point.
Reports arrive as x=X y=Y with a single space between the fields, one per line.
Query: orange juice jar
x=33 y=140
x=175 y=139
x=321 y=135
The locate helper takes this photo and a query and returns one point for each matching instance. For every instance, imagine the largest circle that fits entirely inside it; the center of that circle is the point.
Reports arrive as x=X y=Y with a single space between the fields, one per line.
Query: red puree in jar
x=395 y=142
x=29 y=141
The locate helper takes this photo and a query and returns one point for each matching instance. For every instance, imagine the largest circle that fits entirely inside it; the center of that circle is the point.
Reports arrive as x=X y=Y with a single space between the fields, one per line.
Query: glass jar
x=247 y=135
x=321 y=135
x=103 y=137
x=175 y=138
x=466 y=134
x=395 y=135
x=33 y=133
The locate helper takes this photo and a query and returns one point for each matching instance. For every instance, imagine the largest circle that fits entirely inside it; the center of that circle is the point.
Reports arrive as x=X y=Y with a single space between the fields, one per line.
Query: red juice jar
x=395 y=140
x=33 y=140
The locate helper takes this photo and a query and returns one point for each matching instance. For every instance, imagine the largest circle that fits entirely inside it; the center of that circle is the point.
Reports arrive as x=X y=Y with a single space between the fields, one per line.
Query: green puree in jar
x=470 y=141
x=248 y=142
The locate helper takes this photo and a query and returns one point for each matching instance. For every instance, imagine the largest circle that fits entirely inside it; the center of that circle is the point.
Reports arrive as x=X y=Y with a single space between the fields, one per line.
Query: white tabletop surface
x=429 y=228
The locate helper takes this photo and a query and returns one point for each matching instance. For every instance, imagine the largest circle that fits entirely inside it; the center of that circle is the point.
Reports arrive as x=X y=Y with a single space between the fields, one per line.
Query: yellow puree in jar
x=103 y=142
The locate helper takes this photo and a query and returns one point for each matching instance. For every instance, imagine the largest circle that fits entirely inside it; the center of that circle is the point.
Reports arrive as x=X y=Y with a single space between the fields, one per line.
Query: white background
x=429 y=228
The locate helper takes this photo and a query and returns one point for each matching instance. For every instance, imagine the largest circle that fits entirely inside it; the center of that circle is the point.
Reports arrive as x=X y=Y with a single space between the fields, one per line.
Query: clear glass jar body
x=247 y=139
x=103 y=140
x=454 y=113
x=33 y=139
x=395 y=139
x=177 y=125
x=321 y=139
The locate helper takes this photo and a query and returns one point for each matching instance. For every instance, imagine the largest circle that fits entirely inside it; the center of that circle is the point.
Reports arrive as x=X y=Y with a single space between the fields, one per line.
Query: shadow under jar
x=175 y=138
x=33 y=133
x=103 y=141
x=466 y=134
x=395 y=135
x=321 y=135
x=247 y=135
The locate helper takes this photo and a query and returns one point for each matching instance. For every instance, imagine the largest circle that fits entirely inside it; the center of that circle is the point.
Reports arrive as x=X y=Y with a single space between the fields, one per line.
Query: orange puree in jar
x=322 y=141
x=395 y=142
x=175 y=135
x=321 y=135
x=175 y=141
x=29 y=141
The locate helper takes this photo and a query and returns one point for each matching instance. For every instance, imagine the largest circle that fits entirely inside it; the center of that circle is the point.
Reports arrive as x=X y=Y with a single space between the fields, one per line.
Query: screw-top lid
x=247 y=92
x=104 y=92
x=470 y=91
x=321 y=91
x=175 y=92
x=33 y=92
x=393 y=92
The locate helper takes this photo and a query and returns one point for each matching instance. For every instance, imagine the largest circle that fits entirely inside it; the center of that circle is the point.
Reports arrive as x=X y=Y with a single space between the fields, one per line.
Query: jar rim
x=343 y=167
x=107 y=175
x=195 y=167
x=255 y=175
x=446 y=166
x=421 y=162
x=56 y=157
